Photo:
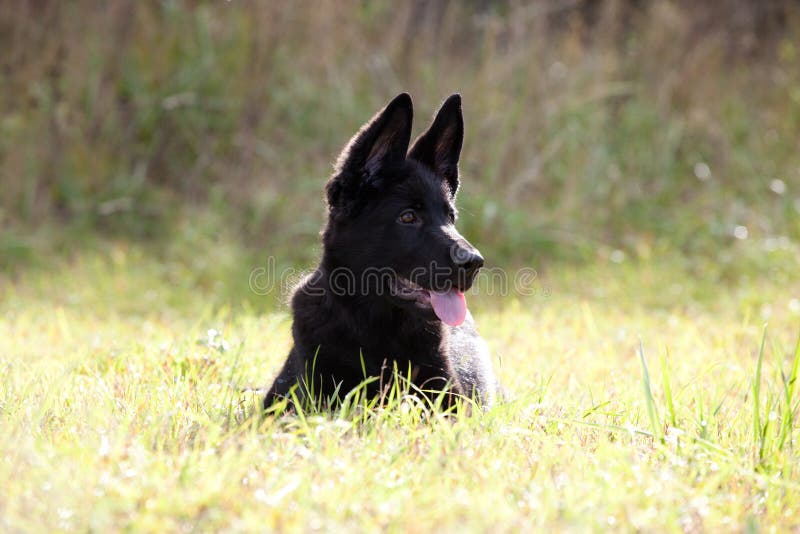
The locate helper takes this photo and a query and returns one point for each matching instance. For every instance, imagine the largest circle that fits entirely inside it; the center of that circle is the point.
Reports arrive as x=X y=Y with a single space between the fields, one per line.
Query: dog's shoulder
x=319 y=318
x=309 y=291
x=311 y=306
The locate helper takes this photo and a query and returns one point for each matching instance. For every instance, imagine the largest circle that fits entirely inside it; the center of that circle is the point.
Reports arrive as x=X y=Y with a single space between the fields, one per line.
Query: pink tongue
x=450 y=307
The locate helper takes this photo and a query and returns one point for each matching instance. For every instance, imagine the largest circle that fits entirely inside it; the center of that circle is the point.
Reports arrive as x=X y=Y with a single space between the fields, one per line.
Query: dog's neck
x=359 y=293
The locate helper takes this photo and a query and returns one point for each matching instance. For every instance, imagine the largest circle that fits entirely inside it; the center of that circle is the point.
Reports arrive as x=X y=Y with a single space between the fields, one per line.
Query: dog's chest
x=415 y=344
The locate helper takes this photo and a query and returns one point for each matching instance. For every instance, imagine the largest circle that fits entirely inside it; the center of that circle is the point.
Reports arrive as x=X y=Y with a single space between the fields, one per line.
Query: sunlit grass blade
x=652 y=414
x=759 y=433
x=788 y=408
x=668 y=389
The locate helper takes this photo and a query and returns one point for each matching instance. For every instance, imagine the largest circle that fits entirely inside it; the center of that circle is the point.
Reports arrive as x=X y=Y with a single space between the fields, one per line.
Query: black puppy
x=389 y=290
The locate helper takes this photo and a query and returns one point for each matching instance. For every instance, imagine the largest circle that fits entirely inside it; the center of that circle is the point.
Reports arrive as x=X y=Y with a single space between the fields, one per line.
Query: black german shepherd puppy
x=389 y=290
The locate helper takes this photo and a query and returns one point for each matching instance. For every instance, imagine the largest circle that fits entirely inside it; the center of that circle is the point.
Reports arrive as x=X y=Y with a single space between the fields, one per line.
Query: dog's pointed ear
x=440 y=146
x=381 y=141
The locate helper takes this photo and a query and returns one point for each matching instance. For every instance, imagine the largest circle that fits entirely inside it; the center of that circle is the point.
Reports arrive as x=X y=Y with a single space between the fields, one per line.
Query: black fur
x=348 y=323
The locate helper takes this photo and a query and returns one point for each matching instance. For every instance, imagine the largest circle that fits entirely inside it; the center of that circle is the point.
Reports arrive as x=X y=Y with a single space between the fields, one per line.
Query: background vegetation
x=592 y=126
x=642 y=156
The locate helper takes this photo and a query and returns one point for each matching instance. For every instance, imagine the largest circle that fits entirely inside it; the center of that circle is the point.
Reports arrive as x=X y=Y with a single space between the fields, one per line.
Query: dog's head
x=392 y=214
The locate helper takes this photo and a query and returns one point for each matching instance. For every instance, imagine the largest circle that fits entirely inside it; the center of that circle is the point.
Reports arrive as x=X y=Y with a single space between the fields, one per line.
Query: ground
x=128 y=395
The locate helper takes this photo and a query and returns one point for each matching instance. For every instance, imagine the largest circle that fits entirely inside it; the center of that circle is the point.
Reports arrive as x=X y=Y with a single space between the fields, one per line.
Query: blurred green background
x=618 y=131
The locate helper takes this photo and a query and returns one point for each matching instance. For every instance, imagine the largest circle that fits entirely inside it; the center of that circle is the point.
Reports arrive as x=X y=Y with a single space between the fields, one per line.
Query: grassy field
x=127 y=402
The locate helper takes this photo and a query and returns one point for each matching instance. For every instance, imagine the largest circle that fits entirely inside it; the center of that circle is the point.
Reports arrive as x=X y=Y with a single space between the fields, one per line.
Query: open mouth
x=449 y=306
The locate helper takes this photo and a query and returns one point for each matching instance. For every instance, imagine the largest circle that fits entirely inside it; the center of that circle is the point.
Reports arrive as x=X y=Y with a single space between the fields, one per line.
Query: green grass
x=642 y=397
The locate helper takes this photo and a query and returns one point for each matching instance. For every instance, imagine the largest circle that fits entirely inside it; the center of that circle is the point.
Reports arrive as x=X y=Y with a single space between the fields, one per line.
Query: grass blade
x=648 y=395
x=788 y=389
x=758 y=432
x=668 y=390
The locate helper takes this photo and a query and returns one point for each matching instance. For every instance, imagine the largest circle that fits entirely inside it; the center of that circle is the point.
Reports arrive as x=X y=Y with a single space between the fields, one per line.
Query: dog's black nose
x=471 y=261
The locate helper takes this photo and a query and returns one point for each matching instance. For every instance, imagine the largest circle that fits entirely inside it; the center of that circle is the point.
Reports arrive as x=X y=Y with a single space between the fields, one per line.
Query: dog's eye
x=408 y=217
